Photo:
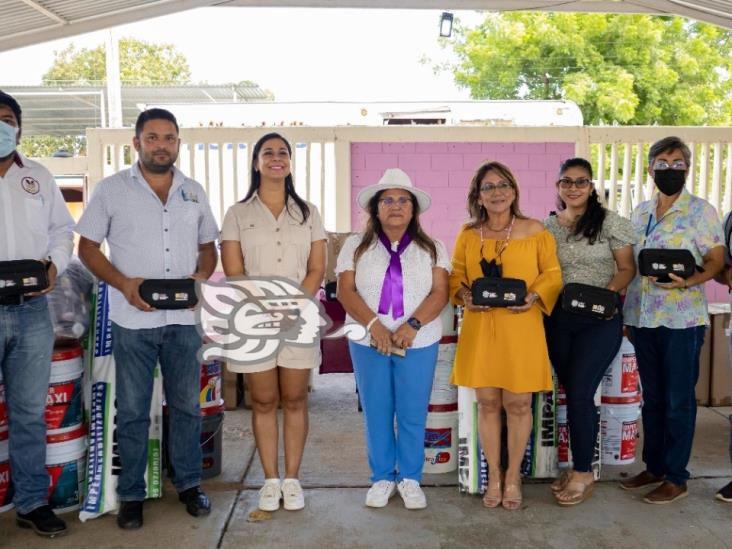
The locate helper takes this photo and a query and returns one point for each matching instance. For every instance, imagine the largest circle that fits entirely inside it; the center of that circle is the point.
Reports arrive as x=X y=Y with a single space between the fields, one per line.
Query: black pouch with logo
x=589 y=300
x=660 y=263
x=176 y=293
x=22 y=276
x=498 y=292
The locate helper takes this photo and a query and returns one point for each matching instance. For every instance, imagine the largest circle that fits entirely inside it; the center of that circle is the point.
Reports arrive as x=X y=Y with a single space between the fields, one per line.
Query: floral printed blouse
x=691 y=223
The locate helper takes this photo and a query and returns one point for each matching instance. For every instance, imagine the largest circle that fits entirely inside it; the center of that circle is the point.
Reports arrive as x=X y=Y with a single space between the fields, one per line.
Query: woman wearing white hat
x=392 y=278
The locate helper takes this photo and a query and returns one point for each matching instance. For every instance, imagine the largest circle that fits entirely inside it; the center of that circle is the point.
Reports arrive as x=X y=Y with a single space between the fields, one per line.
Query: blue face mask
x=8 y=139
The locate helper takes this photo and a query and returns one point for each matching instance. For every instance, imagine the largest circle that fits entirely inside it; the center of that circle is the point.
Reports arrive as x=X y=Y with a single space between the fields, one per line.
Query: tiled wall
x=444 y=170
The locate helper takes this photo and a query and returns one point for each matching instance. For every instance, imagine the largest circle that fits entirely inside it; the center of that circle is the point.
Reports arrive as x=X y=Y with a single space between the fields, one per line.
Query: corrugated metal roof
x=26 y=22
x=69 y=110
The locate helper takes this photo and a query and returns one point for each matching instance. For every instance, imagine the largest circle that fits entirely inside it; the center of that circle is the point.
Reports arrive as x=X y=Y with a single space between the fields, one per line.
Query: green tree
x=139 y=62
x=47 y=145
x=619 y=69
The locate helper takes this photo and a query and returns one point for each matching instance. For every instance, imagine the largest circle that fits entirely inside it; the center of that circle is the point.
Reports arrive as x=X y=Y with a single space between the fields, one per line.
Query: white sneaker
x=412 y=494
x=270 y=495
x=294 y=500
x=380 y=492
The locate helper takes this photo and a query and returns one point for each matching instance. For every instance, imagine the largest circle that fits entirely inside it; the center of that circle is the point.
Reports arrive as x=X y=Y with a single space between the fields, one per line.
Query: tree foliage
x=619 y=69
x=47 y=145
x=139 y=62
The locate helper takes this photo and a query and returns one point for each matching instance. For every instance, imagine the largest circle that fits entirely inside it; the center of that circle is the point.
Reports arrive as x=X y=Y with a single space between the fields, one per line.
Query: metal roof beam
x=45 y=11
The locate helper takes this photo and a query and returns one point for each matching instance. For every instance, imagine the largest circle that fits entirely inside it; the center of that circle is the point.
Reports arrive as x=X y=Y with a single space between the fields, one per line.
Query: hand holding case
x=175 y=293
x=498 y=292
x=660 y=262
x=22 y=276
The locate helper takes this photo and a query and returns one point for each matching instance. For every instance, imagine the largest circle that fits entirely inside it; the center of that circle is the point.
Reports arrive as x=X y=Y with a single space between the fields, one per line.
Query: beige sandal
x=512 y=497
x=493 y=493
x=560 y=483
x=576 y=491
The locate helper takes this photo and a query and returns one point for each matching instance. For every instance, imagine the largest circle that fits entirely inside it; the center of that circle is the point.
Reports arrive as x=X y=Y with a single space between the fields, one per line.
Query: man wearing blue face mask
x=34 y=224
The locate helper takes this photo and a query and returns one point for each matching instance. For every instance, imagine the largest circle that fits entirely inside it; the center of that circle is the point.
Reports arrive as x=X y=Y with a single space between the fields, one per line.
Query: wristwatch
x=414 y=323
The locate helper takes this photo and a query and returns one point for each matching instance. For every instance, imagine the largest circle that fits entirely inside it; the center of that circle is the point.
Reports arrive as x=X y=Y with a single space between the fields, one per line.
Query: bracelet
x=371 y=323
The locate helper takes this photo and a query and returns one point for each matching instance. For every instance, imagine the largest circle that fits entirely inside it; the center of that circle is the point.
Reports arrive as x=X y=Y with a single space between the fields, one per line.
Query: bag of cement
x=70 y=302
x=103 y=464
x=540 y=460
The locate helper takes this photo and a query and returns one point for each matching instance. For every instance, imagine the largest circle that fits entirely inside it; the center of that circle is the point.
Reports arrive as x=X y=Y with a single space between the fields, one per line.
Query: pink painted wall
x=444 y=170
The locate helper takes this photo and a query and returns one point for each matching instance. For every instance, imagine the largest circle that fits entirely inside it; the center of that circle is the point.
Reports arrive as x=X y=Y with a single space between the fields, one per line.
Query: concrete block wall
x=445 y=170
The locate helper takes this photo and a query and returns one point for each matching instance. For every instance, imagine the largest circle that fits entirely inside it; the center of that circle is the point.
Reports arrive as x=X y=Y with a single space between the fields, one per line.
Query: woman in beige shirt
x=274 y=232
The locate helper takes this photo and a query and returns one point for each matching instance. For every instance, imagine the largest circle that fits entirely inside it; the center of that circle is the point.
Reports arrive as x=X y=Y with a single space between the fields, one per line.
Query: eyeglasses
x=501 y=187
x=579 y=183
x=389 y=201
x=661 y=165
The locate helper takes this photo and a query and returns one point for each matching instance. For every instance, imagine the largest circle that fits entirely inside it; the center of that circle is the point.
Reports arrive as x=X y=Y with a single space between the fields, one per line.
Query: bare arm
x=427 y=311
x=207 y=259
x=316 y=267
x=232 y=258
x=91 y=255
x=357 y=309
x=625 y=263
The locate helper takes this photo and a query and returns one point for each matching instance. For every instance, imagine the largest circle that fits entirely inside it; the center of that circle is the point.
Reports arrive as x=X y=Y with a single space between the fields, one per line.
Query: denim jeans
x=136 y=353
x=668 y=364
x=26 y=344
x=580 y=349
x=389 y=387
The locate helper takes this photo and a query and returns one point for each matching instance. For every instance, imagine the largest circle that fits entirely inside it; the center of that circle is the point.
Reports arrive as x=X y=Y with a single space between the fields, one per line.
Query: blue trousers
x=136 y=353
x=389 y=387
x=668 y=364
x=581 y=348
x=26 y=344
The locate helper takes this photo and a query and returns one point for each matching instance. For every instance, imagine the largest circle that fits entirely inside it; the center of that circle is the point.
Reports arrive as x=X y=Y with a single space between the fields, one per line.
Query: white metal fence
x=220 y=159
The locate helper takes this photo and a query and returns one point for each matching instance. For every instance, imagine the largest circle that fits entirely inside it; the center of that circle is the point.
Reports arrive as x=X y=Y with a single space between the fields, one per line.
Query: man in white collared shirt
x=158 y=225
x=35 y=224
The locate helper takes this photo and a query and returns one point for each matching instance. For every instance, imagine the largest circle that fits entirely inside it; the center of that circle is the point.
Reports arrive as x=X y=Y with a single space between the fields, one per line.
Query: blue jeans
x=136 y=353
x=668 y=364
x=392 y=386
x=26 y=344
x=581 y=348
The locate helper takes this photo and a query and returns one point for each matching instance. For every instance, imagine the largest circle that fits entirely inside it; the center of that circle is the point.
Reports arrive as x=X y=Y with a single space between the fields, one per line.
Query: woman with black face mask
x=667 y=319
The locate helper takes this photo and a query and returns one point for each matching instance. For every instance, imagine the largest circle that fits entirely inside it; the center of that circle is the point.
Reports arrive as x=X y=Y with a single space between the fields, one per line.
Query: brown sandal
x=512 y=497
x=560 y=483
x=493 y=496
x=576 y=491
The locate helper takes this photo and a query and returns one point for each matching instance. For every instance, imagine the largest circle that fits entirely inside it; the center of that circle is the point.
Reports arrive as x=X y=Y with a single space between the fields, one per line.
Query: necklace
x=506 y=227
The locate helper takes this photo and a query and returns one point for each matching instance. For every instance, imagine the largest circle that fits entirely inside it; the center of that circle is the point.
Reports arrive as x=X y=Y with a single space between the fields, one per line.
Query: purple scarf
x=392 y=291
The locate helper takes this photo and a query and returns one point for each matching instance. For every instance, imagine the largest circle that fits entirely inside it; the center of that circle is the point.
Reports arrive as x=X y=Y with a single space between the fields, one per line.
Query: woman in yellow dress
x=502 y=352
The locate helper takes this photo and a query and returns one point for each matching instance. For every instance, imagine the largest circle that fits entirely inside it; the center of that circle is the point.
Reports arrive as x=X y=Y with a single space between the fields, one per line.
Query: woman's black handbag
x=22 y=276
x=589 y=300
x=498 y=292
x=660 y=263
x=176 y=293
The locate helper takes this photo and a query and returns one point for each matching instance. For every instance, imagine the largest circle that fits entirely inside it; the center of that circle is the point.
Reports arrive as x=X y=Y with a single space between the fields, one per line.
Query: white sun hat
x=394 y=178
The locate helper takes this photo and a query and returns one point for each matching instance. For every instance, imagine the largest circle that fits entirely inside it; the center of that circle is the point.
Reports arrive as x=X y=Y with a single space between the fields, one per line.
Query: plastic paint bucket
x=621 y=378
x=64 y=410
x=444 y=395
x=441 y=442
x=66 y=466
x=210 y=395
x=6 y=484
x=211 y=443
x=619 y=431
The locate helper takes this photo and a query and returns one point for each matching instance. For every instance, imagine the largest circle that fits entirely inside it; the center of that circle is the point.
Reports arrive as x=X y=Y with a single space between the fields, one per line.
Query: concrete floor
x=335 y=474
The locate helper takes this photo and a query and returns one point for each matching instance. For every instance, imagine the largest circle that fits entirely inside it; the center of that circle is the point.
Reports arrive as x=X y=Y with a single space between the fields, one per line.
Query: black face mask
x=669 y=182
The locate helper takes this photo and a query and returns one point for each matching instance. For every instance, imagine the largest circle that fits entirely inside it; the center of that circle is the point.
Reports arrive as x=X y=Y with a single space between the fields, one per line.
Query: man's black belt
x=15 y=299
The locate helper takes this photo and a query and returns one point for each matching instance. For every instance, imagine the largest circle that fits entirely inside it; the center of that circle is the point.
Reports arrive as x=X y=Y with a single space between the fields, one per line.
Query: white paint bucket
x=444 y=395
x=441 y=442
x=6 y=484
x=210 y=394
x=66 y=466
x=621 y=378
x=64 y=410
x=449 y=320
x=619 y=430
